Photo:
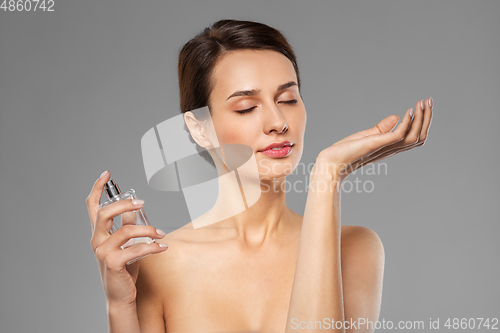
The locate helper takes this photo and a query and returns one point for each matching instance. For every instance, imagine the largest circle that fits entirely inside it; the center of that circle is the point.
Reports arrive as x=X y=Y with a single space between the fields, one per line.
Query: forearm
x=123 y=319
x=317 y=286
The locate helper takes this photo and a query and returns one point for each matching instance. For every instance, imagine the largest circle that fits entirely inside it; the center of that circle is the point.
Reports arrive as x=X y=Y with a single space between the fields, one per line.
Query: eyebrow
x=257 y=91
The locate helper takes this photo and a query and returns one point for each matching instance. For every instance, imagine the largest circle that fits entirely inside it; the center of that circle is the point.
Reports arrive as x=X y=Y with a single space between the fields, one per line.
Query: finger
x=106 y=214
x=414 y=129
x=383 y=126
x=127 y=232
x=416 y=125
x=94 y=198
x=373 y=143
x=427 y=119
x=410 y=127
x=129 y=218
x=118 y=259
x=403 y=127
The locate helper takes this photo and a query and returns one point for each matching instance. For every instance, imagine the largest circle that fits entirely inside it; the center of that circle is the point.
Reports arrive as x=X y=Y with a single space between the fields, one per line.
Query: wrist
x=123 y=318
x=324 y=168
x=323 y=179
x=117 y=307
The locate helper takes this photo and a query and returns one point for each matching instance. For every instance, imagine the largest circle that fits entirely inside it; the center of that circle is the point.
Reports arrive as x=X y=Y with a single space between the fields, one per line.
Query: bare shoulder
x=176 y=240
x=160 y=274
x=361 y=244
x=154 y=283
x=362 y=252
x=184 y=243
x=359 y=235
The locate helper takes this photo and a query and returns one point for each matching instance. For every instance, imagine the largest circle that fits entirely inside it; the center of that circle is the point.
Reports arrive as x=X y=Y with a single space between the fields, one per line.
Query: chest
x=233 y=292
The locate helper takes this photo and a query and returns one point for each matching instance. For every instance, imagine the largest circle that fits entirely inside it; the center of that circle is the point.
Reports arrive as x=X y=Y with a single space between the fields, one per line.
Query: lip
x=286 y=149
x=278 y=144
x=283 y=152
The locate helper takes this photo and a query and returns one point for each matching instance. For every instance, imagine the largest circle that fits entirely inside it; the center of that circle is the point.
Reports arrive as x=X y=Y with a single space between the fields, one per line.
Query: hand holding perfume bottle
x=136 y=217
x=121 y=235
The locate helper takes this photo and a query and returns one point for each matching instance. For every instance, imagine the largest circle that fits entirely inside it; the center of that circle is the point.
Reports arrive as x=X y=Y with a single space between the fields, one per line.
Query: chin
x=274 y=168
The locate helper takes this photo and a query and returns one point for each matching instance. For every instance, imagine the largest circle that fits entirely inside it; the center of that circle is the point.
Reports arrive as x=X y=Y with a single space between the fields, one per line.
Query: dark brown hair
x=198 y=58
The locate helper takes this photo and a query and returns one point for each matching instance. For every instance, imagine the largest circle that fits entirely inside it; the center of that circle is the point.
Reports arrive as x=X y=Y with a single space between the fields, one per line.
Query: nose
x=274 y=120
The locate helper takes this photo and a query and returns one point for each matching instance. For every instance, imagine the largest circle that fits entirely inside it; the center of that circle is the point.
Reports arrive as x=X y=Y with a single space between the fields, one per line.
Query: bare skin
x=213 y=283
x=258 y=270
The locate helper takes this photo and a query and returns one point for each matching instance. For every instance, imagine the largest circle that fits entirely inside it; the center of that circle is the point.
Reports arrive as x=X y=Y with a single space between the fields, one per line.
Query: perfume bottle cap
x=112 y=189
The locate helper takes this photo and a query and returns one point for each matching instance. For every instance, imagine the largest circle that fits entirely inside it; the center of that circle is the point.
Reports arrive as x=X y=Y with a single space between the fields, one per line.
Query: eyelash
x=293 y=101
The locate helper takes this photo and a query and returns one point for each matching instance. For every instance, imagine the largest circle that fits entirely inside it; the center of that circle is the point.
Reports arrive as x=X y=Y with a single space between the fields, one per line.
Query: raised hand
x=379 y=142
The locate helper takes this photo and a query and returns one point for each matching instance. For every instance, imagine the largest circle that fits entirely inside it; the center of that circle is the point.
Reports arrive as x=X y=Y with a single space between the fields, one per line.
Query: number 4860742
x=27 y=5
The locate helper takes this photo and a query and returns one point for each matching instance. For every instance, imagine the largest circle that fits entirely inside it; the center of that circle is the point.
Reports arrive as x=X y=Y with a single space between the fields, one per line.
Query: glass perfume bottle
x=136 y=217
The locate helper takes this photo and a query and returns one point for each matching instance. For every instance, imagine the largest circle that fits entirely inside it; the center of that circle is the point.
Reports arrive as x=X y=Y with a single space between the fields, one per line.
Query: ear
x=197 y=130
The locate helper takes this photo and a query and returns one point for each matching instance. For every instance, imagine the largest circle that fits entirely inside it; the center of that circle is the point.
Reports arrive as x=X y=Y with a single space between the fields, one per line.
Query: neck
x=241 y=214
x=266 y=218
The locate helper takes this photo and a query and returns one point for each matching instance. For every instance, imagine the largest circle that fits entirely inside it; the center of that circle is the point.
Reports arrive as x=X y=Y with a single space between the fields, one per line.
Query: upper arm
x=363 y=260
x=149 y=303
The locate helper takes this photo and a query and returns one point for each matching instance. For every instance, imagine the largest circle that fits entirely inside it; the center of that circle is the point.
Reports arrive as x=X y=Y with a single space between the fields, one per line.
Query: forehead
x=251 y=69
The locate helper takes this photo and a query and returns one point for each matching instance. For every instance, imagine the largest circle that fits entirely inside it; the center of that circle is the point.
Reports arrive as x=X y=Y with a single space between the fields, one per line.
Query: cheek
x=233 y=132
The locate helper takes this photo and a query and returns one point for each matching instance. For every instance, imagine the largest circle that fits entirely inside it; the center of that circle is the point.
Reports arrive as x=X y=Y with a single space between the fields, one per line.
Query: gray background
x=81 y=85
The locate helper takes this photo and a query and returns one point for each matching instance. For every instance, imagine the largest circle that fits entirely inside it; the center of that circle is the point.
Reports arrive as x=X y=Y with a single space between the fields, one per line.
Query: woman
x=266 y=269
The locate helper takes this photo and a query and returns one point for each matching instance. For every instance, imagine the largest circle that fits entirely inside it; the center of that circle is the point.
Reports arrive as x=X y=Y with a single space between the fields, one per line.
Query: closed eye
x=293 y=101
x=245 y=111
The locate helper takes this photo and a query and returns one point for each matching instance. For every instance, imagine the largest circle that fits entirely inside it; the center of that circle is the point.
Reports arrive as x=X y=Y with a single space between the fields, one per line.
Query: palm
x=379 y=142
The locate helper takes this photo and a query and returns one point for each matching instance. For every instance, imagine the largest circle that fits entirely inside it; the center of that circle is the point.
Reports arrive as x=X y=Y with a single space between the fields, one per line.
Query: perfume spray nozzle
x=112 y=189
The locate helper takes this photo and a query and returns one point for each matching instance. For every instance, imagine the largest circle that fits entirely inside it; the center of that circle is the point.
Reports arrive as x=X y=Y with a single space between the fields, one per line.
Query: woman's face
x=262 y=83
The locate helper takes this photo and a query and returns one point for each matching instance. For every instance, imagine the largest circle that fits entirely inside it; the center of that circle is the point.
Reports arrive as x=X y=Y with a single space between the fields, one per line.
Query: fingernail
x=103 y=174
x=138 y=202
x=431 y=102
x=422 y=104
x=160 y=232
x=163 y=245
x=411 y=112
